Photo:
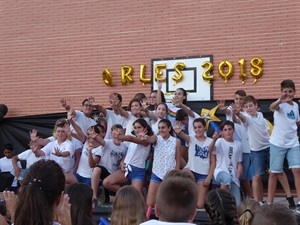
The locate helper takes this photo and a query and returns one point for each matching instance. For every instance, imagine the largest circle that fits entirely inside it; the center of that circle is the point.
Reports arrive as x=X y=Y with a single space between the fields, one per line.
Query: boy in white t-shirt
x=229 y=159
x=284 y=139
x=257 y=129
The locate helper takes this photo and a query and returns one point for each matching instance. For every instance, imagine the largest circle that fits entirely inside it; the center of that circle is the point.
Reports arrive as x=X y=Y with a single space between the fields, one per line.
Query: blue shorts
x=136 y=174
x=246 y=165
x=258 y=160
x=224 y=178
x=278 y=154
x=155 y=178
x=199 y=177
x=82 y=179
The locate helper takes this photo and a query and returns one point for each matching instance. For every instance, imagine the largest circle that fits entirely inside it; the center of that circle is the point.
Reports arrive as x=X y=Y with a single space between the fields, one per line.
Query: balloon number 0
x=225 y=70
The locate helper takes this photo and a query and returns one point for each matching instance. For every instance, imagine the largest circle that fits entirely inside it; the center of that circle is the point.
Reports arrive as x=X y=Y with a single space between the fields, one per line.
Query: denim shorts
x=246 y=166
x=199 y=177
x=82 y=179
x=155 y=178
x=224 y=178
x=278 y=154
x=136 y=174
x=258 y=160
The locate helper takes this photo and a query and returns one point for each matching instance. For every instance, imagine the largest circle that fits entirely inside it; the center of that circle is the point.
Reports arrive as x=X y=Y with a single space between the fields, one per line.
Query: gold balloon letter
x=126 y=72
x=256 y=68
x=179 y=75
x=206 y=75
x=159 y=73
x=228 y=75
x=107 y=77
x=142 y=75
x=243 y=74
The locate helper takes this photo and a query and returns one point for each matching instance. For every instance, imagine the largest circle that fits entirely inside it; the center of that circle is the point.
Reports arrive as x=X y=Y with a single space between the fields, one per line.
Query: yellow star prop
x=209 y=115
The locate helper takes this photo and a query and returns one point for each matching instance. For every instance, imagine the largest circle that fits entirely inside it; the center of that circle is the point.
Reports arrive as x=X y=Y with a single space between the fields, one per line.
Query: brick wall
x=51 y=49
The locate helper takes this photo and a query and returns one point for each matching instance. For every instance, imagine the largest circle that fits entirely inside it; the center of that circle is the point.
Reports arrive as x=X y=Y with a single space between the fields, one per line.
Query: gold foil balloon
x=179 y=75
x=142 y=75
x=158 y=72
x=228 y=75
x=206 y=75
x=256 y=68
x=107 y=77
x=243 y=74
x=126 y=74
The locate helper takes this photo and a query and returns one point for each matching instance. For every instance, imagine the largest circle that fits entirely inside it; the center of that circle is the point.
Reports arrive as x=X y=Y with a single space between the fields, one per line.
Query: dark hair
x=221 y=207
x=98 y=128
x=169 y=125
x=118 y=126
x=81 y=203
x=181 y=114
x=140 y=96
x=184 y=94
x=144 y=124
x=227 y=122
x=240 y=93
x=177 y=196
x=274 y=214
x=85 y=100
x=250 y=98
x=288 y=84
x=9 y=146
x=42 y=186
x=118 y=96
x=200 y=120
x=132 y=101
x=162 y=95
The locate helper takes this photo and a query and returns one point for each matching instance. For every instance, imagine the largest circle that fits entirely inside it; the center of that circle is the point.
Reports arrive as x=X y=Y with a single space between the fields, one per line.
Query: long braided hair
x=221 y=207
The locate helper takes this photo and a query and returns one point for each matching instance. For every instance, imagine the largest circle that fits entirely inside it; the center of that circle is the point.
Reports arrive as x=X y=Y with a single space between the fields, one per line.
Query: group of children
x=155 y=136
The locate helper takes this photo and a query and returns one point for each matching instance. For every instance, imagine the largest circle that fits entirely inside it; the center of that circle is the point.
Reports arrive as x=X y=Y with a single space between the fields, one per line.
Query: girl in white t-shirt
x=201 y=162
x=133 y=165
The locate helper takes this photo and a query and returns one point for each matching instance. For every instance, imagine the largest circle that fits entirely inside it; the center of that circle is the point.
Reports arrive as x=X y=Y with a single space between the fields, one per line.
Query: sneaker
x=298 y=208
x=291 y=205
x=263 y=202
x=101 y=196
x=95 y=203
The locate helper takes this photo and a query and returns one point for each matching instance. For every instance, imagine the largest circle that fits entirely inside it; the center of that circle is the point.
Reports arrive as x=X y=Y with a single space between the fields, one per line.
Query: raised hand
x=62 y=212
x=235 y=109
x=63 y=102
x=11 y=200
x=221 y=104
x=70 y=114
x=215 y=136
x=33 y=146
x=33 y=135
x=57 y=152
x=67 y=129
x=177 y=127
x=159 y=84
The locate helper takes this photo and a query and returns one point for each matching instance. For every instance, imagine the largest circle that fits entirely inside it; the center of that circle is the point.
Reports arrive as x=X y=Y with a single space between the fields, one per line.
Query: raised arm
x=96 y=106
x=212 y=145
x=184 y=107
x=212 y=167
x=17 y=170
x=35 y=138
x=158 y=94
x=64 y=104
x=275 y=105
x=180 y=133
x=93 y=160
x=224 y=109
x=115 y=102
x=237 y=113
x=80 y=135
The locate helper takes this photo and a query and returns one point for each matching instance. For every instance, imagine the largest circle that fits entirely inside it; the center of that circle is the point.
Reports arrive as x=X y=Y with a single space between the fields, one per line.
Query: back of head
x=221 y=207
x=81 y=203
x=176 y=199
x=129 y=207
x=181 y=114
x=41 y=189
x=246 y=211
x=274 y=214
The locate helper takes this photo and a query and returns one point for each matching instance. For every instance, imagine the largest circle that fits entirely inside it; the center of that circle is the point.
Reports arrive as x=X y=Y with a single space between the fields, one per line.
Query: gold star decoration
x=209 y=115
x=95 y=117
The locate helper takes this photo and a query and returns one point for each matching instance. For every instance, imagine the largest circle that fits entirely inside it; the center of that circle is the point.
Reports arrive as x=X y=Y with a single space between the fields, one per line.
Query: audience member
x=246 y=211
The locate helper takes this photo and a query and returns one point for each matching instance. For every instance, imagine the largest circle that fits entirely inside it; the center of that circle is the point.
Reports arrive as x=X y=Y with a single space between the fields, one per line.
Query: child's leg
x=152 y=191
x=236 y=192
x=258 y=159
x=285 y=184
x=138 y=185
x=293 y=157
x=113 y=182
x=277 y=156
x=95 y=180
x=296 y=173
x=202 y=191
x=245 y=183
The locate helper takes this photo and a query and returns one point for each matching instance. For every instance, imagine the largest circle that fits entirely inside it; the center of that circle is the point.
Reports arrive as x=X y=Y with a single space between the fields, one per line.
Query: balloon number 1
x=225 y=70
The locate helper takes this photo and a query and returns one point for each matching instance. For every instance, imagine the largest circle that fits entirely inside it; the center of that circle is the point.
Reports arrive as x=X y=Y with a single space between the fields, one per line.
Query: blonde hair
x=61 y=123
x=246 y=211
x=129 y=207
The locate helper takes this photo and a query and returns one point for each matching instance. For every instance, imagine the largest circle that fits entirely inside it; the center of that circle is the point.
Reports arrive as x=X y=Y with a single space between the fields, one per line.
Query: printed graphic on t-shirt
x=117 y=157
x=291 y=115
x=201 y=152
x=230 y=153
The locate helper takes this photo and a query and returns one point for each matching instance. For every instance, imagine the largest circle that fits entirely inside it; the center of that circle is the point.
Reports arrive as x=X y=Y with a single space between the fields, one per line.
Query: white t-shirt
x=30 y=157
x=129 y=123
x=66 y=163
x=284 y=133
x=112 y=119
x=228 y=155
x=257 y=129
x=137 y=155
x=164 y=156
x=111 y=155
x=83 y=121
x=198 y=155
x=7 y=166
x=157 y=222
x=84 y=168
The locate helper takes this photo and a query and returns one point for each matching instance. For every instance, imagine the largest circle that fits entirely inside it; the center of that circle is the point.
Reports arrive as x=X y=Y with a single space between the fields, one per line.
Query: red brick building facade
x=51 y=49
